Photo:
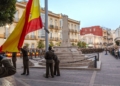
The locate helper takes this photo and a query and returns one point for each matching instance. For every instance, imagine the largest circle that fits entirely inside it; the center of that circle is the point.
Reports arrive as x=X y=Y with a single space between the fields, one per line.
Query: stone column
x=65 y=32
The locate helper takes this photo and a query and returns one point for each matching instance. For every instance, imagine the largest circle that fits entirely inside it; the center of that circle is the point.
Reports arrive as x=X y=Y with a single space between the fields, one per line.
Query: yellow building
x=55 y=24
x=107 y=38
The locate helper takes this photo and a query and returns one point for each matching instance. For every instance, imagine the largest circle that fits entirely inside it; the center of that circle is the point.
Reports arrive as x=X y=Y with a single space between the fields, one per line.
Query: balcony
x=51 y=26
x=71 y=30
x=42 y=39
x=72 y=40
x=76 y=31
x=51 y=39
x=105 y=43
x=56 y=27
x=33 y=37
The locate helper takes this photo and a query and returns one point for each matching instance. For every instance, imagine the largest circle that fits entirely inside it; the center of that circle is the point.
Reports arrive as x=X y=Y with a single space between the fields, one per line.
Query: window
x=42 y=33
x=71 y=26
x=51 y=21
x=32 y=35
x=33 y=45
x=16 y=16
x=43 y=17
x=74 y=26
x=56 y=23
x=94 y=29
x=50 y=35
x=61 y=23
x=90 y=30
x=6 y=31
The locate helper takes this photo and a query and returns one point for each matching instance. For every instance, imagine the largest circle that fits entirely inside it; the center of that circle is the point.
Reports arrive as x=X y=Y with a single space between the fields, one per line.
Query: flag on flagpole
x=30 y=21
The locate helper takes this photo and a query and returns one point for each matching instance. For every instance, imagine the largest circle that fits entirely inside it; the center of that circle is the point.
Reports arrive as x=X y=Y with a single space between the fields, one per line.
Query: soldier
x=8 y=69
x=25 y=60
x=56 y=66
x=14 y=58
x=49 y=62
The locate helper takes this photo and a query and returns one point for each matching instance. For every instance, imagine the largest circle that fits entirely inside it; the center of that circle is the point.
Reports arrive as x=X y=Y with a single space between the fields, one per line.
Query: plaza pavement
x=109 y=75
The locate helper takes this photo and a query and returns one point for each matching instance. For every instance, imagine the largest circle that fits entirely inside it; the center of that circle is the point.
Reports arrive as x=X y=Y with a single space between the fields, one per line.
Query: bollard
x=98 y=57
x=95 y=62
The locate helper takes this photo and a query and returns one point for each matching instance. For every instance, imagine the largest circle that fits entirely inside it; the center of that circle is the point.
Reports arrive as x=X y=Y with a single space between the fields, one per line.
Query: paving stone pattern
x=109 y=75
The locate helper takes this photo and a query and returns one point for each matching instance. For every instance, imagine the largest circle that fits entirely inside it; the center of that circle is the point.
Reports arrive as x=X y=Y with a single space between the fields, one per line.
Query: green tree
x=81 y=44
x=73 y=44
x=58 y=43
x=84 y=44
x=51 y=44
x=7 y=11
x=41 y=44
x=27 y=44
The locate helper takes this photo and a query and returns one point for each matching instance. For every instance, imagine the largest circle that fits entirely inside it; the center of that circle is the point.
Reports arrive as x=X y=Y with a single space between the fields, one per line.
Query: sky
x=105 y=13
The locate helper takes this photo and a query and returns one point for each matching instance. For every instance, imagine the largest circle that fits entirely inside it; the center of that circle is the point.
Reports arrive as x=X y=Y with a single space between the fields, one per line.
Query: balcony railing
x=56 y=27
x=51 y=26
x=32 y=37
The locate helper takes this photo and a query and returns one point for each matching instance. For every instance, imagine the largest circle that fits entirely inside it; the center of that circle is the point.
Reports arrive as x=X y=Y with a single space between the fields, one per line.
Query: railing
x=51 y=26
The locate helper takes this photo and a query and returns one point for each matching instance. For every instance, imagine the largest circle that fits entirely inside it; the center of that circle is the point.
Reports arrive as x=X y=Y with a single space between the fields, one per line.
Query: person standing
x=56 y=66
x=40 y=53
x=49 y=55
x=14 y=59
x=25 y=60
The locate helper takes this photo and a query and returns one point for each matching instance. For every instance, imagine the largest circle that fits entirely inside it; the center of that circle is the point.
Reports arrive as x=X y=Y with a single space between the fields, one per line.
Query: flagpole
x=46 y=25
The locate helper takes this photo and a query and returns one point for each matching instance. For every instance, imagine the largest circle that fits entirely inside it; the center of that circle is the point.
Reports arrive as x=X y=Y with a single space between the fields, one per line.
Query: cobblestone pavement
x=109 y=75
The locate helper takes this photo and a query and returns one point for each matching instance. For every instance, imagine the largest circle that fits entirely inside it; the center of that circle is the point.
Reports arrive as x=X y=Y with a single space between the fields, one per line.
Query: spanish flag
x=30 y=21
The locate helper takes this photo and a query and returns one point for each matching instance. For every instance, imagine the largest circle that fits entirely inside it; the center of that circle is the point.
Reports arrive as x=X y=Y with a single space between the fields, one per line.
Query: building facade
x=55 y=24
x=108 y=40
x=117 y=35
x=97 y=37
x=92 y=36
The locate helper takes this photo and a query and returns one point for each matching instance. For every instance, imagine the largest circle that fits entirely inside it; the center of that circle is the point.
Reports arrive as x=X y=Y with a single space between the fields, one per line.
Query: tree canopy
x=40 y=44
x=81 y=44
x=7 y=11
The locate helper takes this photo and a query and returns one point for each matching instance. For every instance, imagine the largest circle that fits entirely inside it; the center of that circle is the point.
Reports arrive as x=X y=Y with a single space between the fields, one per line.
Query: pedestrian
x=30 y=52
x=40 y=53
x=25 y=60
x=7 y=68
x=116 y=53
x=56 y=65
x=14 y=59
x=49 y=55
